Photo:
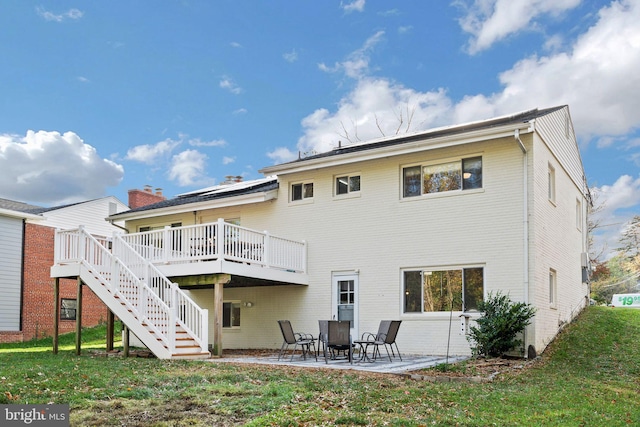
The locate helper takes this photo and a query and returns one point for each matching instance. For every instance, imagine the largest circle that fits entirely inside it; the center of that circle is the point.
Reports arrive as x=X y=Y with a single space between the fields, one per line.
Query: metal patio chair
x=338 y=339
x=386 y=337
x=305 y=341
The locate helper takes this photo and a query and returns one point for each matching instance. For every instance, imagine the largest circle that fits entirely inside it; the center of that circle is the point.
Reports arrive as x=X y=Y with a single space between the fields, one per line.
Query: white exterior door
x=345 y=300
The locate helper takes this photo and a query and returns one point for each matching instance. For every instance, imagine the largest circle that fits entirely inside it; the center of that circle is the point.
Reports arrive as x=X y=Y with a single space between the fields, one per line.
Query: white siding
x=90 y=214
x=378 y=234
x=556 y=243
x=10 y=272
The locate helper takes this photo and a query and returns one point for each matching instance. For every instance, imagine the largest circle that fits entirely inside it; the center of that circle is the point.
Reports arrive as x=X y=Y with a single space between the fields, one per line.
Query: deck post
x=56 y=311
x=79 y=318
x=125 y=340
x=218 y=299
x=110 y=329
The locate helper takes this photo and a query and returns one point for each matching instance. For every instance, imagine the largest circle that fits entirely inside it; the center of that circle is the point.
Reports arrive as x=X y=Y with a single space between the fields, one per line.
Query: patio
x=382 y=365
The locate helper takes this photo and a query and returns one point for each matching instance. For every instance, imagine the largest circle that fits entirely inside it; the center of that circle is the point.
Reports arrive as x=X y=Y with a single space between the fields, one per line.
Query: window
x=465 y=174
x=301 y=191
x=347 y=184
x=428 y=291
x=578 y=214
x=553 y=289
x=68 y=309
x=231 y=314
x=552 y=184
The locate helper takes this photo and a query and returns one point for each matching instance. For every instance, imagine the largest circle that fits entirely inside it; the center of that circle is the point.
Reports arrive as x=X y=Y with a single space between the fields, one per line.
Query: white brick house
x=416 y=227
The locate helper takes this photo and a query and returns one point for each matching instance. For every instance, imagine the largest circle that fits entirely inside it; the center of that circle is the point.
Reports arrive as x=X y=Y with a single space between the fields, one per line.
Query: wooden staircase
x=157 y=311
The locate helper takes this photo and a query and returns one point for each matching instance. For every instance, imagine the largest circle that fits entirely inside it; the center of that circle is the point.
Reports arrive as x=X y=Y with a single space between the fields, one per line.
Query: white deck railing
x=219 y=240
x=139 y=284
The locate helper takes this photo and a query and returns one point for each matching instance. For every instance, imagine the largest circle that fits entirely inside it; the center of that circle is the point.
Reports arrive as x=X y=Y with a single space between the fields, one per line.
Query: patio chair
x=338 y=339
x=386 y=337
x=305 y=341
x=323 y=326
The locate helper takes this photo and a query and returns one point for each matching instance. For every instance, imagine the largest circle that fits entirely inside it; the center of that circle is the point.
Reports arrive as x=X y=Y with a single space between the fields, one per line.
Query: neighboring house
x=417 y=227
x=26 y=255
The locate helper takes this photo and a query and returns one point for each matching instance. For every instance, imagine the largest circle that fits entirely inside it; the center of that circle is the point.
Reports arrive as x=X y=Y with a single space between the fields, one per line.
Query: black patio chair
x=386 y=337
x=305 y=341
x=338 y=340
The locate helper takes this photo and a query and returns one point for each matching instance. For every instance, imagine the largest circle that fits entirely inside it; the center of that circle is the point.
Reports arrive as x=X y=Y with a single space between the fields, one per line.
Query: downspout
x=525 y=214
x=525 y=224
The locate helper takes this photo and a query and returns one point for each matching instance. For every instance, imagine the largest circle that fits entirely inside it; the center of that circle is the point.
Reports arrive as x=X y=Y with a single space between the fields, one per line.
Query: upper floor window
x=552 y=184
x=347 y=184
x=436 y=290
x=301 y=191
x=464 y=174
x=578 y=214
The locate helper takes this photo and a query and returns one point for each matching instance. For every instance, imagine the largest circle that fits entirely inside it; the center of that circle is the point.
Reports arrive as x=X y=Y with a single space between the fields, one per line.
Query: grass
x=589 y=376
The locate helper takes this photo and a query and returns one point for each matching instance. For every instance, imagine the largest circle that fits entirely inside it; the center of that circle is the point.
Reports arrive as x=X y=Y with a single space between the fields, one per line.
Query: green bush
x=501 y=322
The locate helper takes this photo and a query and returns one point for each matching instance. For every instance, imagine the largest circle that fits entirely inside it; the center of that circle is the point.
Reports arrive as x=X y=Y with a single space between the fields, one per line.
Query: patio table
x=364 y=347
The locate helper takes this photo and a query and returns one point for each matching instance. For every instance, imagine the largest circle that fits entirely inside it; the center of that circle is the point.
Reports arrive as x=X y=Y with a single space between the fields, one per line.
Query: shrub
x=501 y=322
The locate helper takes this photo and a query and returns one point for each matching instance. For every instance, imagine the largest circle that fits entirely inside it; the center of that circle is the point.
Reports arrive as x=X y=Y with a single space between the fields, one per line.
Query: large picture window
x=435 y=290
x=464 y=174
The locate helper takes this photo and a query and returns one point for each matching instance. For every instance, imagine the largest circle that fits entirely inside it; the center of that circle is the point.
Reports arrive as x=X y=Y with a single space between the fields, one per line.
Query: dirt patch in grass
x=474 y=370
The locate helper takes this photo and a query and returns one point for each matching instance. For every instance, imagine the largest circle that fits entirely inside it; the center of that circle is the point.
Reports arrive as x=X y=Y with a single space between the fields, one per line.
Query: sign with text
x=34 y=415
x=626 y=300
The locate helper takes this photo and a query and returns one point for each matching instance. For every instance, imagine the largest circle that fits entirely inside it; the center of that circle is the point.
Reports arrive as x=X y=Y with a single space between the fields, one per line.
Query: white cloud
x=235 y=45
x=357 y=63
x=73 y=14
x=354 y=6
x=375 y=108
x=240 y=111
x=228 y=160
x=290 y=56
x=282 y=155
x=189 y=168
x=228 y=84
x=52 y=168
x=598 y=78
x=489 y=21
x=615 y=202
x=197 y=142
x=149 y=153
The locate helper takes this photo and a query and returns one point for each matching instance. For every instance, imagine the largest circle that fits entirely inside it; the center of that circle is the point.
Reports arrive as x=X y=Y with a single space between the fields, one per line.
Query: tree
x=630 y=239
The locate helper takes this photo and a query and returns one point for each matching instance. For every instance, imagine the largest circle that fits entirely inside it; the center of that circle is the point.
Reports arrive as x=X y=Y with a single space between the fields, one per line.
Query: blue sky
x=99 y=97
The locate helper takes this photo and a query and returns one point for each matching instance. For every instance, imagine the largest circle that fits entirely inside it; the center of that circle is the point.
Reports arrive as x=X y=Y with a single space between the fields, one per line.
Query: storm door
x=345 y=300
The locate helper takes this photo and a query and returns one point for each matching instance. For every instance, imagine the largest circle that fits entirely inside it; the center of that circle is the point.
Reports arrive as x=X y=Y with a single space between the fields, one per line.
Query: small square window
x=231 y=314
x=301 y=191
x=68 y=308
x=347 y=184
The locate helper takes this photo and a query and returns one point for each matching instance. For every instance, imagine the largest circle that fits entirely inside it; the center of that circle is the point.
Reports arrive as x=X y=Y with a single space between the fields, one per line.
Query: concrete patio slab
x=382 y=364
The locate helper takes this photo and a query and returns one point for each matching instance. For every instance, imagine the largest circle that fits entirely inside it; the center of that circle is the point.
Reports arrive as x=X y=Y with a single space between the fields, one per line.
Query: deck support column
x=110 y=329
x=56 y=313
x=79 y=318
x=219 y=282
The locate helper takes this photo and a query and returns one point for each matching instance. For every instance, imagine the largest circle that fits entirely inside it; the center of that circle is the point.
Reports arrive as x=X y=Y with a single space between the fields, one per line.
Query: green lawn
x=590 y=376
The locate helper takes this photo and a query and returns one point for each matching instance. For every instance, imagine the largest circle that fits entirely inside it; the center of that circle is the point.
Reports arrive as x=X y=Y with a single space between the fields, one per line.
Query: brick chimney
x=145 y=197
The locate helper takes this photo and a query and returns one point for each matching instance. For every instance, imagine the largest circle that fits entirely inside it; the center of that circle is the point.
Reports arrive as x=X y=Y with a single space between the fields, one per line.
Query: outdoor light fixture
x=248 y=304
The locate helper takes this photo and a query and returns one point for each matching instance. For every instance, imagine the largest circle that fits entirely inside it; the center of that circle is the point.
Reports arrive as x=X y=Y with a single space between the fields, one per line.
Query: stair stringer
x=126 y=314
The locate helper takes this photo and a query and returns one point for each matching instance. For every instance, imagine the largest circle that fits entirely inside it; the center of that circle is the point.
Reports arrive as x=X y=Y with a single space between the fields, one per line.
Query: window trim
x=74 y=308
x=441 y=161
x=551 y=184
x=349 y=193
x=304 y=199
x=437 y=314
x=553 y=288
x=233 y=303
